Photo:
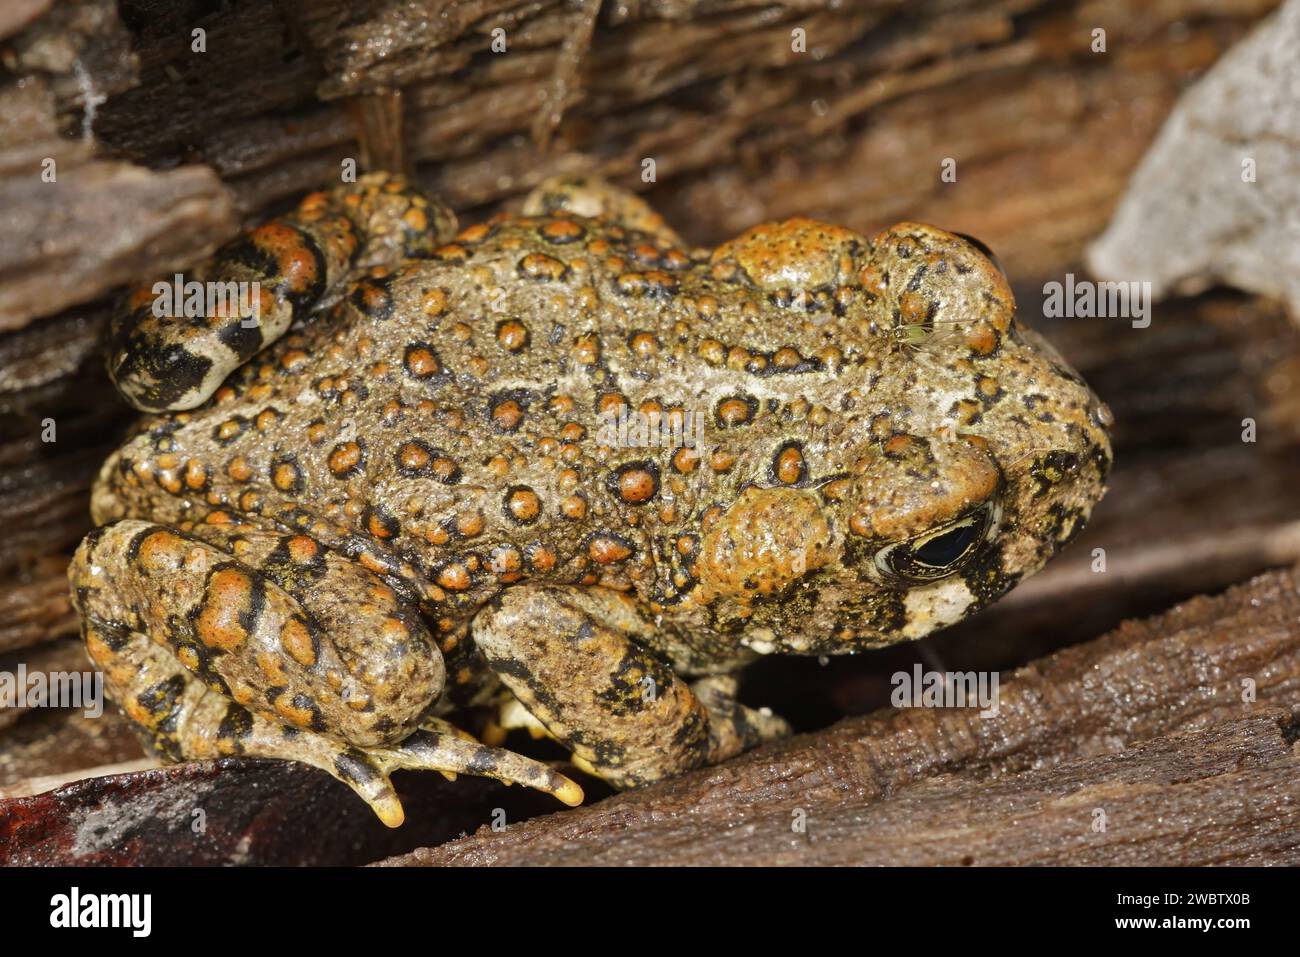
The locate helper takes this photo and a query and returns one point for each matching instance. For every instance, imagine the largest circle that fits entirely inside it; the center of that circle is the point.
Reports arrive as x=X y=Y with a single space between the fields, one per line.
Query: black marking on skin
x=540 y=701
x=270 y=270
x=296 y=516
x=975 y=418
x=161 y=433
x=608 y=753
x=1065 y=524
x=163 y=745
x=985 y=251
x=1051 y=469
x=859 y=554
x=626 y=693
x=353 y=767
x=483 y=762
x=133 y=548
x=246 y=253
x=986 y=579
x=236 y=724
x=248 y=618
x=882 y=613
x=180 y=633
x=386 y=521
x=114 y=634
x=244 y=341
x=159 y=375
x=372 y=286
x=304 y=702
x=1101 y=461
x=91 y=541
x=293 y=576
x=163 y=698
x=692 y=734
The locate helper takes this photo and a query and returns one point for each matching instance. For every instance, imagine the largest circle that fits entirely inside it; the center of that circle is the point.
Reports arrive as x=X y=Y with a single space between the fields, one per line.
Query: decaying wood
x=740 y=125
x=1162 y=724
x=49 y=742
x=52 y=658
x=237 y=812
x=1226 y=794
x=97 y=224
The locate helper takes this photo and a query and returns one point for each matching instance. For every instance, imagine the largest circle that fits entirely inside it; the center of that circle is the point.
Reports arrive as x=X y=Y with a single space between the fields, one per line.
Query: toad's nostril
x=1100 y=413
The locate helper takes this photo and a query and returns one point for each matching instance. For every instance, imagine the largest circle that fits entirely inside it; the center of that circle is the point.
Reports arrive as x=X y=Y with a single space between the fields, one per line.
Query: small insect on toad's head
x=972 y=454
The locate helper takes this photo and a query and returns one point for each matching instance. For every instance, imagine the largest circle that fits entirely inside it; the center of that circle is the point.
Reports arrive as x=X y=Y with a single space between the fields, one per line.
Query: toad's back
x=446 y=415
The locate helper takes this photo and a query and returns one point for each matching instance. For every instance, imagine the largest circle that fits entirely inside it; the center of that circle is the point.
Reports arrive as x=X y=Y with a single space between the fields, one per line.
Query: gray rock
x=1192 y=217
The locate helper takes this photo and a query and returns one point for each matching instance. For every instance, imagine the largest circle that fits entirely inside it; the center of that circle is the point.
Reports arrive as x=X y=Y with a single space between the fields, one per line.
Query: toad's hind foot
x=366 y=770
x=453 y=752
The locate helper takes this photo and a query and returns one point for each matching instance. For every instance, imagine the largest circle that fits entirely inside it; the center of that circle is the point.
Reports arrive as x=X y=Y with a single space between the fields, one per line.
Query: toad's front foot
x=579 y=661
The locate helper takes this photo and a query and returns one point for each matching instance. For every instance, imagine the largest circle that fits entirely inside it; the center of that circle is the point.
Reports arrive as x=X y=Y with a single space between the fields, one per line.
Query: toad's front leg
x=237 y=641
x=577 y=660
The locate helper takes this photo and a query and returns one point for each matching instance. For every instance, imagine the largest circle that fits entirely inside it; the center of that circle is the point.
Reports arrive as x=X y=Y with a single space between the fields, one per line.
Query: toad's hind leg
x=236 y=641
x=578 y=660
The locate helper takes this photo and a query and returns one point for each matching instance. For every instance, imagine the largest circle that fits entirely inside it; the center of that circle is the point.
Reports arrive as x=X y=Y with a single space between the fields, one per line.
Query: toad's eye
x=940 y=551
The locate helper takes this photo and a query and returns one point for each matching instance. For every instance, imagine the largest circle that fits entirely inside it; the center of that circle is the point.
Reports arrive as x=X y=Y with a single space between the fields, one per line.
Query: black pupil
x=946 y=548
